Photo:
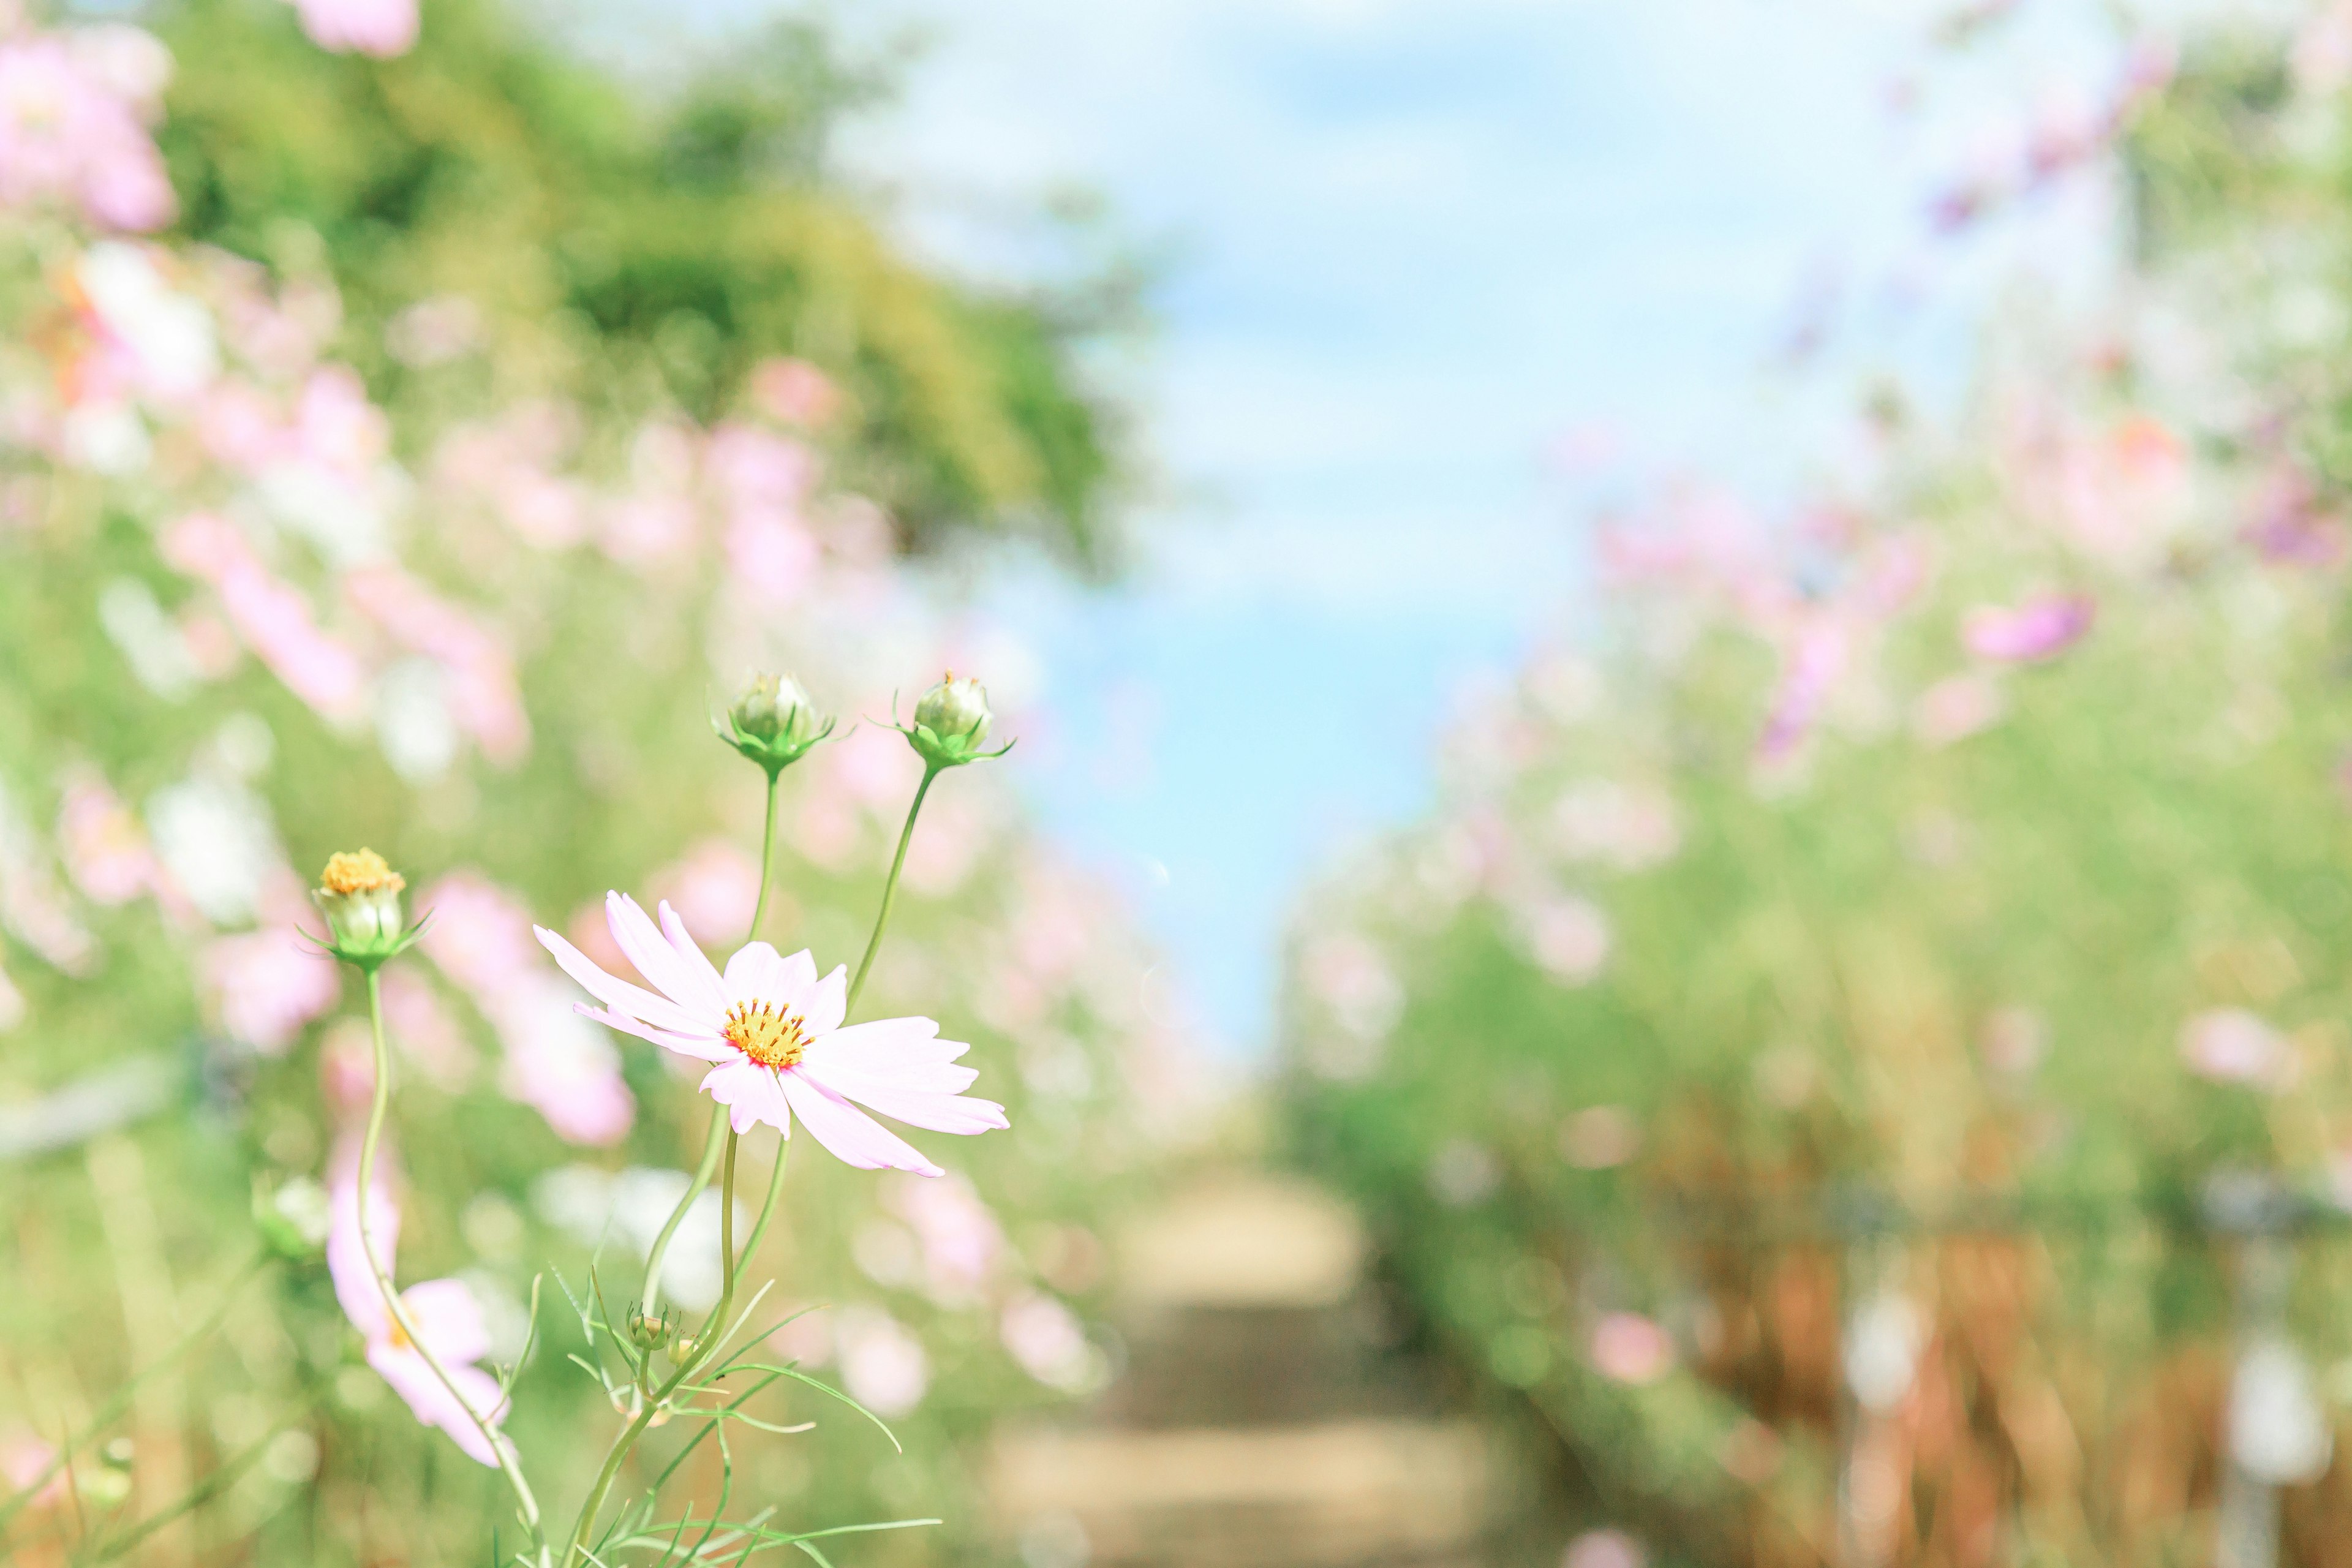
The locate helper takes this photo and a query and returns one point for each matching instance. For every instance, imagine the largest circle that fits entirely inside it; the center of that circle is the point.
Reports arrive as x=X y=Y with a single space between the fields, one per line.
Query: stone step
x=1251 y=1366
x=1358 y=1493
x=1242 y=1240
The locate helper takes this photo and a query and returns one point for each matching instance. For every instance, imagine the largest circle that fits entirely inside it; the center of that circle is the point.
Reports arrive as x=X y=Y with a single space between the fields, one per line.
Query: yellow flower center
x=769 y=1035
x=398 y=1336
x=365 y=872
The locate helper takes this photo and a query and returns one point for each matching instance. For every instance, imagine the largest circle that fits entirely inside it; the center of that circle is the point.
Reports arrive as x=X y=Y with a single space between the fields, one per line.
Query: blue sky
x=1410 y=244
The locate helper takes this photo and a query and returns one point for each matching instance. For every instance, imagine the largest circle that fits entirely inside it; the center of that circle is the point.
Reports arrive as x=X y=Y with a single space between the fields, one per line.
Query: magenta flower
x=443 y=1313
x=2042 y=628
x=773 y=1032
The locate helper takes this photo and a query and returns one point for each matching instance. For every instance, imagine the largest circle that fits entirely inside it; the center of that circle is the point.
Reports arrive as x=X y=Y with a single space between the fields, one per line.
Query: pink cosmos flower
x=104 y=848
x=773 y=1032
x=68 y=132
x=483 y=695
x=380 y=27
x=883 y=1366
x=24 y=1455
x=1809 y=670
x=2041 y=628
x=1956 y=708
x=266 y=985
x=796 y=392
x=1630 y=1348
x=1604 y=1548
x=270 y=615
x=447 y=1319
x=1047 y=1340
x=2230 y=1044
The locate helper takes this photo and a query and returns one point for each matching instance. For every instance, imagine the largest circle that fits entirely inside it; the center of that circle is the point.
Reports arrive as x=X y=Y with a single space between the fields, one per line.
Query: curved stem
x=12 y=1504
x=767 y=859
x=889 y=889
x=694 y=1190
x=376 y=1108
x=707 y=1342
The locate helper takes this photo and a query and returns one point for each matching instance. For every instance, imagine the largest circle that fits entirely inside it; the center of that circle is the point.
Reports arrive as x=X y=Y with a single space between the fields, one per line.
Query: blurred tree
x=626 y=251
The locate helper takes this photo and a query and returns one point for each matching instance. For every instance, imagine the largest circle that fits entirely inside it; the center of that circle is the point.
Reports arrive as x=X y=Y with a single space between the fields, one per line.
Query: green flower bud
x=950 y=722
x=774 y=722
x=683 y=1348
x=359 y=896
x=294 y=1220
x=650 y=1331
x=117 y=1454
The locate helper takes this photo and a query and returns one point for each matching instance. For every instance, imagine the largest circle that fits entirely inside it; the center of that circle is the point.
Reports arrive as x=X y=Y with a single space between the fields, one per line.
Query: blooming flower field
x=1859 y=1059
x=288 y=568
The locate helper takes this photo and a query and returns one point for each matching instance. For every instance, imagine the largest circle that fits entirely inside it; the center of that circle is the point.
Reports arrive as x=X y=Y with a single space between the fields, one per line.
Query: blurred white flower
x=1462 y=1172
x=2278 y=1432
x=1883 y=1342
x=413 y=725
x=216 y=839
x=2230 y=1044
x=628 y=1210
x=1600 y=1137
x=1604 y=1548
x=1568 y=936
x=149 y=640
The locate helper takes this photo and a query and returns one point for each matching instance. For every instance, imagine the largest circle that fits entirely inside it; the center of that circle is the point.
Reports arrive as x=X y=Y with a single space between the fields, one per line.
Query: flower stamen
x=769 y=1035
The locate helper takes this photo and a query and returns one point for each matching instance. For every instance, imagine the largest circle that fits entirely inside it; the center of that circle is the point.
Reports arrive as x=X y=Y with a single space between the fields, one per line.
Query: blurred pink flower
x=24 y=1455
x=1047 y=1339
x=2041 y=628
x=484 y=697
x=1630 y=1348
x=2290 y=525
x=2230 y=1044
x=2321 y=57
x=560 y=1068
x=1351 y=978
x=1812 y=663
x=960 y=1238
x=480 y=937
x=883 y=1366
x=714 y=887
x=774 y=555
x=266 y=985
x=1604 y=1548
x=380 y=27
x=67 y=134
x=103 y=846
x=272 y=616
x=1630 y=829
x=1956 y=708
x=795 y=393
x=422 y=1030
x=772 y=1031
x=1568 y=936
x=447 y=1319
x=2015 y=1039
x=755 y=469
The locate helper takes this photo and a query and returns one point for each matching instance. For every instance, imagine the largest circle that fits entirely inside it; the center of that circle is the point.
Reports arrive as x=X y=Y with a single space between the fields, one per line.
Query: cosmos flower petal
x=824 y=1005
x=355 y=1286
x=919 y=1107
x=853 y=1137
x=656 y=959
x=705 y=1048
x=447 y=1319
x=749 y=1092
x=929 y=1078
x=619 y=994
x=887 y=1045
x=759 y=974
x=709 y=988
x=433 y=1404
x=799 y=974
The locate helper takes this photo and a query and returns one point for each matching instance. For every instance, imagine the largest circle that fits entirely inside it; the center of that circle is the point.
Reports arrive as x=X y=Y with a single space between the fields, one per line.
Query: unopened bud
x=950 y=722
x=683 y=1348
x=650 y=1329
x=117 y=1454
x=774 y=722
x=359 y=896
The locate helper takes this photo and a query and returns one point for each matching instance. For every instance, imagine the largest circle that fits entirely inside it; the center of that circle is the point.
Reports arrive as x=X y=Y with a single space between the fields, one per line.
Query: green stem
x=694 y=1190
x=767 y=858
x=377 y=1109
x=712 y=1144
x=107 y=1414
x=705 y=1346
x=889 y=890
